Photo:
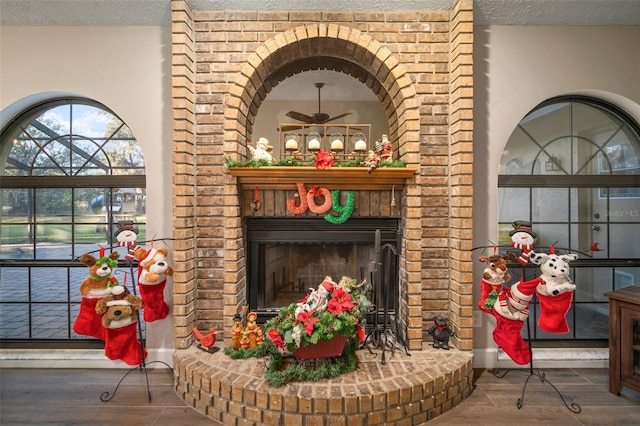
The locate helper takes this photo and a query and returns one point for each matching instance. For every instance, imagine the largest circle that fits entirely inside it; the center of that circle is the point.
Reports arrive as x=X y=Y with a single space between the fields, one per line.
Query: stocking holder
x=573 y=407
x=108 y=396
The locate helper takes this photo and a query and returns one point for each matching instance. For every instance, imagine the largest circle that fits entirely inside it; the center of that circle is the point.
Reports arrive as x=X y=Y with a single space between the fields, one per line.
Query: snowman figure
x=261 y=150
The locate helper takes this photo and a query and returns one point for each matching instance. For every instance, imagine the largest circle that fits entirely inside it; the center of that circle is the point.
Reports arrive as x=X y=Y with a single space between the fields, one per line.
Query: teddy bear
x=92 y=289
x=493 y=277
x=440 y=332
x=119 y=312
x=555 y=291
x=153 y=270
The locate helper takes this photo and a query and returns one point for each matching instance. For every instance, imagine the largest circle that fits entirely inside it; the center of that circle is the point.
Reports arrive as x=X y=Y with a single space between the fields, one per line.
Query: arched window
x=70 y=169
x=572 y=169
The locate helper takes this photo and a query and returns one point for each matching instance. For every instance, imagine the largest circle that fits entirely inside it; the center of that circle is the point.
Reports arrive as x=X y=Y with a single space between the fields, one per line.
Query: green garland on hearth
x=243 y=353
x=277 y=377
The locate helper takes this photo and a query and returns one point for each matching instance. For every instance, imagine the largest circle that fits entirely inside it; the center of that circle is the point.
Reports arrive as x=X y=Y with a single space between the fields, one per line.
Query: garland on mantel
x=296 y=163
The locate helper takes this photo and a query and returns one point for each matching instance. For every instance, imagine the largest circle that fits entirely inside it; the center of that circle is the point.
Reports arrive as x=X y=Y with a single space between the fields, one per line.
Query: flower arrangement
x=330 y=310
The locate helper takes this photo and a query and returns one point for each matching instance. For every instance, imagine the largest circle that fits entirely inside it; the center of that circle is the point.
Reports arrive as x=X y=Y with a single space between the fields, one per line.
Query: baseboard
x=75 y=358
x=545 y=358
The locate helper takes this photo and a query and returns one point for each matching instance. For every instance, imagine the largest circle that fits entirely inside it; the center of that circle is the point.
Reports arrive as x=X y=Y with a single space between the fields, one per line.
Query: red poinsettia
x=340 y=301
x=276 y=338
x=324 y=160
x=308 y=320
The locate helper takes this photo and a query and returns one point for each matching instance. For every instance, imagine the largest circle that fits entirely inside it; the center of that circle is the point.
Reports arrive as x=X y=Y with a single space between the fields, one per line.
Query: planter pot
x=322 y=349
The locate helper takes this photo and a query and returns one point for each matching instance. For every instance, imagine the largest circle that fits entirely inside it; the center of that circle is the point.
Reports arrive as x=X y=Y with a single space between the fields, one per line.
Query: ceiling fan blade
x=288 y=128
x=299 y=116
x=336 y=117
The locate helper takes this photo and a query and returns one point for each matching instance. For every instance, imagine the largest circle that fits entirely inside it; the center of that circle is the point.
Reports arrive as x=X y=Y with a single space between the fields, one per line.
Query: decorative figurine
x=206 y=341
x=236 y=331
x=441 y=333
x=252 y=329
x=261 y=150
x=523 y=237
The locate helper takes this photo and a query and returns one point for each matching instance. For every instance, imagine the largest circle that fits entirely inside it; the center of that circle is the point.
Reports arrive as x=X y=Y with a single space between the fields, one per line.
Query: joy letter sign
x=321 y=200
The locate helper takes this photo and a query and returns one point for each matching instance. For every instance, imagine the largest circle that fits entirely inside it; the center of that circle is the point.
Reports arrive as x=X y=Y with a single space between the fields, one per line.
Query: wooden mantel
x=343 y=178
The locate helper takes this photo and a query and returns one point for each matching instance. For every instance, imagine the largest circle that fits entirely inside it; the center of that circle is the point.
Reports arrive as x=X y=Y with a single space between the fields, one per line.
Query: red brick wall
x=417 y=63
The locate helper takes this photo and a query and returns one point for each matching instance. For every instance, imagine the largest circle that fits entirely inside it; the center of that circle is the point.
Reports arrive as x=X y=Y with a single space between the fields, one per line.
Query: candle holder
x=359 y=142
x=313 y=141
x=291 y=140
x=337 y=142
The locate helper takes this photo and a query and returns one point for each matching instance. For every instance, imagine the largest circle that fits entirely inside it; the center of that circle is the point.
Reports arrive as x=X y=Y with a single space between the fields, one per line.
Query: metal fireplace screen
x=287 y=256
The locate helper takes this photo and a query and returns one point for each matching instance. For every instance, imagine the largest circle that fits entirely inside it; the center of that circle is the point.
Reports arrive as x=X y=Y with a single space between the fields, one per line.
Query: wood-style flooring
x=72 y=397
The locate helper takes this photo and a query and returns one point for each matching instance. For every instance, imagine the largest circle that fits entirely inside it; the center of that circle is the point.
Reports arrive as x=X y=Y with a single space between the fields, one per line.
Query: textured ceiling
x=338 y=86
x=157 y=12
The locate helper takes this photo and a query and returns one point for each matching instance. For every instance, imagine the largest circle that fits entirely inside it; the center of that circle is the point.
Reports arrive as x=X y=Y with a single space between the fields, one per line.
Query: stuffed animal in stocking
x=127 y=236
x=493 y=277
x=511 y=310
x=92 y=289
x=522 y=237
x=153 y=270
x=555 y=290
x=120 y=320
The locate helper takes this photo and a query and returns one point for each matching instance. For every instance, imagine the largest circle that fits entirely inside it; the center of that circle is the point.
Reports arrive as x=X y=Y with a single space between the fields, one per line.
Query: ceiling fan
x=315 y=118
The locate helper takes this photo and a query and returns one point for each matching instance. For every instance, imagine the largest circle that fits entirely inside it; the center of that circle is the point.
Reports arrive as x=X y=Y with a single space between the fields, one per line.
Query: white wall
x=516 y=68
x=128 y=69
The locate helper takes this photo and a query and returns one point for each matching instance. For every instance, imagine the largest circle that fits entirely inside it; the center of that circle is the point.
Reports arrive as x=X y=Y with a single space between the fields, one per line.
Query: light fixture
x=552 y=164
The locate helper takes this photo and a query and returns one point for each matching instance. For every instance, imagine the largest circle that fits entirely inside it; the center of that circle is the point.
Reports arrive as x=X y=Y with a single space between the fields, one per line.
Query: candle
x=291 y=145
x=314 y=144
x=337 y=145
x=360 y=145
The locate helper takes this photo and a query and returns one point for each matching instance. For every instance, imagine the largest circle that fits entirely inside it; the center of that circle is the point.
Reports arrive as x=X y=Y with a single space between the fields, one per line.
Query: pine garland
x=293 y=162
x=242 y=353
x=277 y=377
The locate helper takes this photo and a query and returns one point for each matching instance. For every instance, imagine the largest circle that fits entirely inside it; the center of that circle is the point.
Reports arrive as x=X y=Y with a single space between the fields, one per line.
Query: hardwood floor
x=72 y=397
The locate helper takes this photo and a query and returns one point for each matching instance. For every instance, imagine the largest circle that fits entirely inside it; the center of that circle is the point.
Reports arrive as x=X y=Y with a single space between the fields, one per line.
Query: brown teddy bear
x=153 y=270
x=92 y=289
x=119 y=313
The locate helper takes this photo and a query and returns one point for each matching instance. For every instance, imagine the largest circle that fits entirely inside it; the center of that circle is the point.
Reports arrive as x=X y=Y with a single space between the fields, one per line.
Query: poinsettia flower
x=308 y=320
x=276 y=338
x=340 y=301
x=324 y=160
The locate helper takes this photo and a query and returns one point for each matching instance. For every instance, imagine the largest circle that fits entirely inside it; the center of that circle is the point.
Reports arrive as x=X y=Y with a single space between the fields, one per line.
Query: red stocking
x=489 y=295
x=155 y=308
x=507 y=335
x=553 y=312
x=122 y=343
x=89 y=322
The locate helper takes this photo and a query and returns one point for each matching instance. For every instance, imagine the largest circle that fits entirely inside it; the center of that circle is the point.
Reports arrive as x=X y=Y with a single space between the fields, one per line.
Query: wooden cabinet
x=624 y=339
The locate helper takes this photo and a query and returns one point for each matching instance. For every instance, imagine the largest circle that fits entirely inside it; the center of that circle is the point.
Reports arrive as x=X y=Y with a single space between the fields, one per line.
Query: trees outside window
x=70 y=169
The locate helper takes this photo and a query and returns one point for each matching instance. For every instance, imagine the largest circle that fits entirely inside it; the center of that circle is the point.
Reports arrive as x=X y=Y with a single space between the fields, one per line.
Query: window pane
x=592 y=321
x=13 y=284
x=49 y=284
x=14 y=321
x=557 y=235
x=625 y=277
x=624 y=209
x=513 y=204
x=586 y=206
x=624 y=241
x=550 y=204
x=16 y=242
x=53 y=205
x=592 y=283
x=50 y=321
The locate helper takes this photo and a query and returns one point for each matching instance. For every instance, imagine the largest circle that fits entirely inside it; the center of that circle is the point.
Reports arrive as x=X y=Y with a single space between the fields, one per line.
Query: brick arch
x=321 y=46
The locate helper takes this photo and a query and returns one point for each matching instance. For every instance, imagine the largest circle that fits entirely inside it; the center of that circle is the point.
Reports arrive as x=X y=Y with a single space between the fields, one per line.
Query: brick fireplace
x=418 y=64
